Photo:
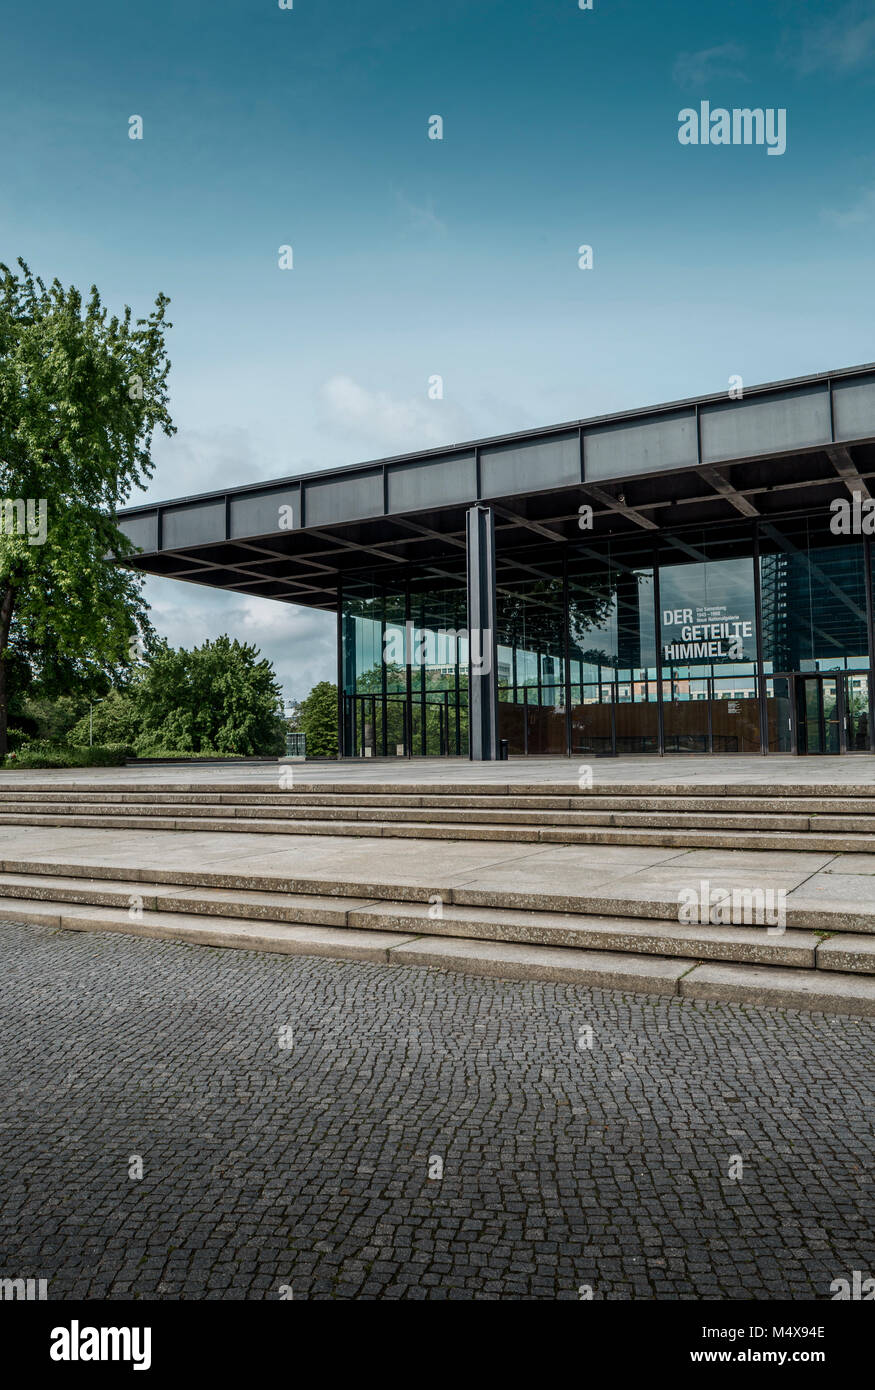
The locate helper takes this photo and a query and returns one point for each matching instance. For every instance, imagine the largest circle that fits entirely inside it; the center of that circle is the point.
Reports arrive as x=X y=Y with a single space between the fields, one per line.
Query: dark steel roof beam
x=842 y=461
x=722 y=486
x=615 y=505
x=535 y=526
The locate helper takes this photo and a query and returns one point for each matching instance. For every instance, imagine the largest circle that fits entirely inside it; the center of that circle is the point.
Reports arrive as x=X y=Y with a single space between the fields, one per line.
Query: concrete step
x=847 y=952
x=295 y=799
x=801 y=948
x=307 y=940
x=775 y=986
x=822 y=991
x=311 y=908
x=298 y=800
x=80 y=882
x=811 y=990
x=833 y=840
x=440 y=792
x=594 y=932
x=744 y=943
x=440 y=816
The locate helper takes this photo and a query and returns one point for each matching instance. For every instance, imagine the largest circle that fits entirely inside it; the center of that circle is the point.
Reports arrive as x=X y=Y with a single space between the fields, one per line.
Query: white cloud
x=301 y=642
x=194 y=461
x=843 y=43
x=695 y=69
x=421 y=218
x=379 y=421
x=858 y=213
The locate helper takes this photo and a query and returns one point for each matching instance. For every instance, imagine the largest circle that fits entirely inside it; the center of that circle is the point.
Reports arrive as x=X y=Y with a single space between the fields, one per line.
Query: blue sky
x=265 y=127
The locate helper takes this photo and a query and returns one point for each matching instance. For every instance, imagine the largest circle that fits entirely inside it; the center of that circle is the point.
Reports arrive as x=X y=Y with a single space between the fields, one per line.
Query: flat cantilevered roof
x=785 y=447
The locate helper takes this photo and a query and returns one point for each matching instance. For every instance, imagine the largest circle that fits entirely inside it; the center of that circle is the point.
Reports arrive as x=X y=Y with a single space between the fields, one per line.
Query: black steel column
x=341 y=702
x=657 y=618
x=409 y=643
x=762 y=699
x=566 y=654
x=482 y=616
x=383 y=685
x=423 y=704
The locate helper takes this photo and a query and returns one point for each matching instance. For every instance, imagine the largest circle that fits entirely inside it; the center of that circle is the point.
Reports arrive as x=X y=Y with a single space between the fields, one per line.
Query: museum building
x=694 y=577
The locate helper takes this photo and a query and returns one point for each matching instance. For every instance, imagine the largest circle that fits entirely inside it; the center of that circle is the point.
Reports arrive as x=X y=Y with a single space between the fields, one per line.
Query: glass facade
x=404 y=667
x=747 y=637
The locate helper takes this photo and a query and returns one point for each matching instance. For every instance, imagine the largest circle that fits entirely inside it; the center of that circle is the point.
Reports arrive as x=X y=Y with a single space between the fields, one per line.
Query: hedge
x=45 y=754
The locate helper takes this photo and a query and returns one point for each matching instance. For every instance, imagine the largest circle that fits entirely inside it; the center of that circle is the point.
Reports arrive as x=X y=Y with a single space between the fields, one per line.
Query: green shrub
x=109 y=754
x=180 y=755
x=17 y=738
x=41 y=753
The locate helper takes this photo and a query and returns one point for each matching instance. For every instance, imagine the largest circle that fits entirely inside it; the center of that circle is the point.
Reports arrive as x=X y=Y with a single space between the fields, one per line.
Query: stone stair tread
x=739 y=943
x=829 y=841
x=770 y=985
x=241 y=933
x=752 y=984
x=653 y=904
x=848 y=951
x=308 y=908
x=774 y=986
x=710 y=815
x=18 y=781
x=296 y=801
x=595 y=932
x=525 y=962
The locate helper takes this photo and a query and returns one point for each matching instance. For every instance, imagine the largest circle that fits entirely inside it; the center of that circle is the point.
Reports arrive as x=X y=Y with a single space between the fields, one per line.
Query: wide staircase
x=760 y=816
x=822 y=959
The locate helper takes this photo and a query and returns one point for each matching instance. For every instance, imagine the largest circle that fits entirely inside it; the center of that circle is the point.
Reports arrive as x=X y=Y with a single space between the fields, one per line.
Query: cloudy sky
x=265 y=127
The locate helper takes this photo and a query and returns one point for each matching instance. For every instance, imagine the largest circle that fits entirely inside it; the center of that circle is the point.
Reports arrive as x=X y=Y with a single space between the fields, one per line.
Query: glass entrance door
x=856 y=696
x=823 y=713
x=832 y=713
x=818 y=714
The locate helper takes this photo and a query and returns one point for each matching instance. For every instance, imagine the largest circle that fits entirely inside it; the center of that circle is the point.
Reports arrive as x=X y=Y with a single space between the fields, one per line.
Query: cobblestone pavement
x=307 y=1165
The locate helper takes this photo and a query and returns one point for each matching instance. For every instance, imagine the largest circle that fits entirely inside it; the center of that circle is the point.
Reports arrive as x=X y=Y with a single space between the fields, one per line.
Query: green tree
x=222 y=697
x=49 y=719
x=81 y=395
x=319 y=720
x=116 y=719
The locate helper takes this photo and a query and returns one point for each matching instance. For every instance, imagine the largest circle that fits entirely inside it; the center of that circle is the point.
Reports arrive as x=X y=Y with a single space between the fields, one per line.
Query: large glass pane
x=531 y=655
x=832 y=742
x=636 y=713
x=857 y=707
x=546 y=722
x=708 y=642
x=405 y=665
x=592 y=721
x=735 y=714
x=813 y=591
x=686 y=715
x=779 y=715
x=612 y=648
x=810 y=714
x=438 y=666
x=512 y=725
